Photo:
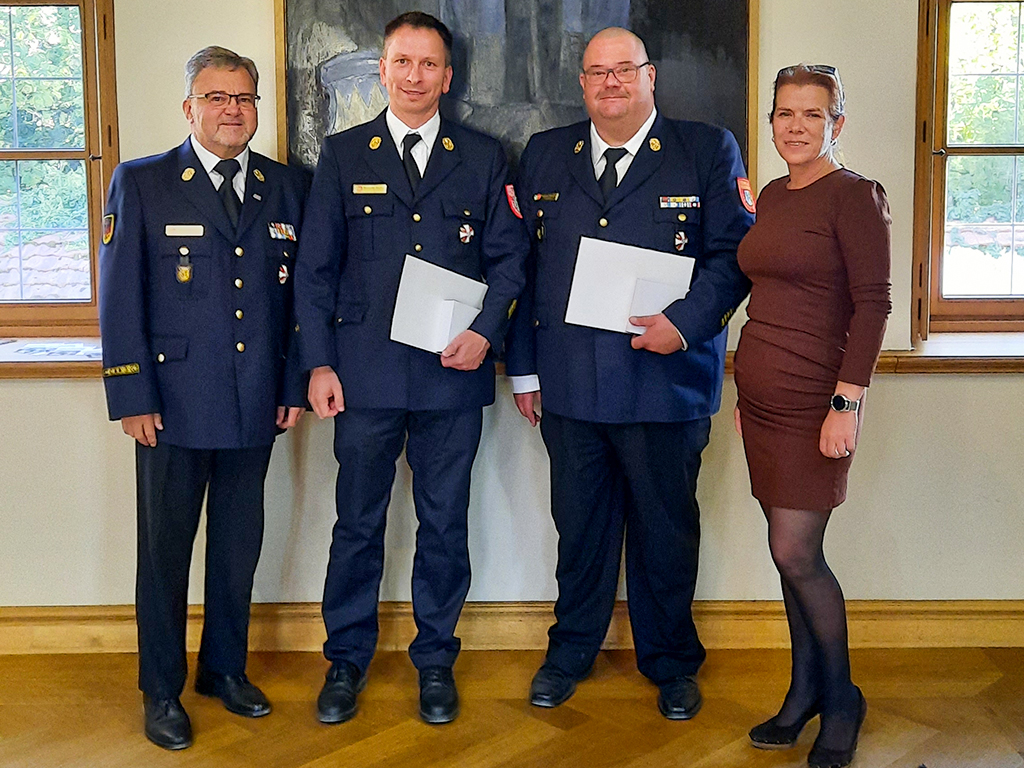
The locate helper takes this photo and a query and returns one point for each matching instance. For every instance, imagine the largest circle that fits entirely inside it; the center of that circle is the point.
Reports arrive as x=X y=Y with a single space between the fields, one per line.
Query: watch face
x=840 y=403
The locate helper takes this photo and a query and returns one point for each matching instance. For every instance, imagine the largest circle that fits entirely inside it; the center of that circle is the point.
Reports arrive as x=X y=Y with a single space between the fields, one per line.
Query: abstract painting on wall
x=516 y=62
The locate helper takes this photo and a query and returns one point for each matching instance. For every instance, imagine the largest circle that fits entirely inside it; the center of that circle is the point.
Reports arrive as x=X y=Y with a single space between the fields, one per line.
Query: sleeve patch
x=121 y=370
x=746 y=194
x=108 y=228
x=513 y=202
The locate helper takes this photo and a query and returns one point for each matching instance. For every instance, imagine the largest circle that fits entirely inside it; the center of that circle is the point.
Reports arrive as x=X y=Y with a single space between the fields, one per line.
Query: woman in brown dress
x=818 y=258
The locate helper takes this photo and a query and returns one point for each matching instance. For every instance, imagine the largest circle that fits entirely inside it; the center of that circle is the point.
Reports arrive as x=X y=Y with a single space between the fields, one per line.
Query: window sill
x=50 y=358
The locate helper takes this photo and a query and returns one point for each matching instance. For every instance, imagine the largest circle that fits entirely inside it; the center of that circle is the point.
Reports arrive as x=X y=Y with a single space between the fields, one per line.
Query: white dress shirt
x=208 y=159
x=428 y=133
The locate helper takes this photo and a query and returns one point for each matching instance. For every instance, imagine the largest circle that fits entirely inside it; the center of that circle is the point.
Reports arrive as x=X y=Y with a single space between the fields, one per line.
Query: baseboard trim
x=523 y=626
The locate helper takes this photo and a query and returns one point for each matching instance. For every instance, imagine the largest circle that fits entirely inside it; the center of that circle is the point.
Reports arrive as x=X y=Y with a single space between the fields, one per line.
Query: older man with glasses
x=626 y=419
x=195 y=316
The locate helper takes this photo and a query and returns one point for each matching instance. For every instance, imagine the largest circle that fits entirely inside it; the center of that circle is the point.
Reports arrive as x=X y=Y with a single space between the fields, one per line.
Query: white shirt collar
x=599 y=145
x=209 y=160
x=428 y=131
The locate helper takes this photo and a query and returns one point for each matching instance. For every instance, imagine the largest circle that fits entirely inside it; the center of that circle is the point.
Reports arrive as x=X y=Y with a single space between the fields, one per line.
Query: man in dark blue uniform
x=195 y=316
x=625 y=420
x=408 y=182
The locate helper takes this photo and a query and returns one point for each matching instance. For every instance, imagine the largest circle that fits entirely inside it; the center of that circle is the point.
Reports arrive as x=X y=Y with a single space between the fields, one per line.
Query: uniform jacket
x=595 y=375
x=196 y=318
x=363 y=219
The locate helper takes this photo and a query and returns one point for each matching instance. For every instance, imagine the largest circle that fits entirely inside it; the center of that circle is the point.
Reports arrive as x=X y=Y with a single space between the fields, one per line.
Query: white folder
x=613 y=282
x=434 y=305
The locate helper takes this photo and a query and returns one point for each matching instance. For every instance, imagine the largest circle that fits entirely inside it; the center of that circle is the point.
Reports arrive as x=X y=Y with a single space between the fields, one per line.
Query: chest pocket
x=369 y=219
x=464 y=221
x=185 y=268
x=680 y=229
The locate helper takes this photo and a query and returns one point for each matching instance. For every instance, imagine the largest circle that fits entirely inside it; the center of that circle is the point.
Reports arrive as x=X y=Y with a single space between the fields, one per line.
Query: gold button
x=296 y=327
x=539 y=213
x=416 y=217
x=681 y=217
x=238 y=314
x=340 y=320
x=367 y=209
x=286 y=254
x=418 y=247
x=239 y=251
x=466 y=213
x=536 y=323
x=160 y=358
x=183 y=251
x=240 y=347
x=603 y=222
x=238 y=282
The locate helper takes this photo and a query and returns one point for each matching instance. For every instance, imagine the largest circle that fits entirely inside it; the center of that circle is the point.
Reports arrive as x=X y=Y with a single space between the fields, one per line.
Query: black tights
x=816 y=613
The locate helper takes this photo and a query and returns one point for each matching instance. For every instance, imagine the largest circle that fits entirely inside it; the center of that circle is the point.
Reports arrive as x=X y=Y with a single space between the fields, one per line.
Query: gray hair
x=222 y=58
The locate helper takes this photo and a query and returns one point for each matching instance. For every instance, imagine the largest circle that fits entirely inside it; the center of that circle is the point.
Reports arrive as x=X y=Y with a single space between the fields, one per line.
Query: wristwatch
x=843 y=404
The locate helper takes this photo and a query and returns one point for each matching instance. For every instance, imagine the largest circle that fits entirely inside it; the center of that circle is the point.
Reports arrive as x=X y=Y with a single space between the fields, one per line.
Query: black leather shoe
x=238 y=694
x=439 y=699
x=824 y=757
x=680 y=699
x=167 y=723
x=337 y=700
x=551 y=687
x=771 y=735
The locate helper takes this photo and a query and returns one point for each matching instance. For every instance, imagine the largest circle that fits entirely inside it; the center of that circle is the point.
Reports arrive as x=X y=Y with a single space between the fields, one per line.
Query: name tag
x=184 y=230
x=369 y=189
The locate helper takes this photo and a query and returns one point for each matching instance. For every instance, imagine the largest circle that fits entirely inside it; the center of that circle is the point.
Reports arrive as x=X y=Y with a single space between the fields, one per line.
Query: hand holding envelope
x=613 y=282
x=434 y=305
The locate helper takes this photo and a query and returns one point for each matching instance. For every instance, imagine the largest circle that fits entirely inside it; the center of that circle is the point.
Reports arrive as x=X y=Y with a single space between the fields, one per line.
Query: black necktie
x=228 y=169
x=411 y=169
x=609 y=179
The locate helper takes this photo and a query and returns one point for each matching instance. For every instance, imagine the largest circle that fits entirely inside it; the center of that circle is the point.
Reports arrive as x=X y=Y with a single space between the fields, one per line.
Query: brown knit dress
x=818 y=258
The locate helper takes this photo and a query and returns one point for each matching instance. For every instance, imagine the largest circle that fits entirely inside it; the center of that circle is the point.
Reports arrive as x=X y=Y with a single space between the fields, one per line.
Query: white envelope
x=613 y=282
x=434 y=305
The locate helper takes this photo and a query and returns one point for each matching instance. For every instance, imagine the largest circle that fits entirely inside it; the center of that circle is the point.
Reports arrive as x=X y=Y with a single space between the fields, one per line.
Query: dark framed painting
x=516 y=63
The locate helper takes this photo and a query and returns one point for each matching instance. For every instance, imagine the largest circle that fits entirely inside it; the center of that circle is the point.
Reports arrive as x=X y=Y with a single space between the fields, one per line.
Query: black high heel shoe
x=771 y=735
x=825 y=757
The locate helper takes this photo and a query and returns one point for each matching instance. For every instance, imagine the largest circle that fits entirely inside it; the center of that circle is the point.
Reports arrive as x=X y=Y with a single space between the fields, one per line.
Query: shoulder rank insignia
x=108 y=228
x=655 y=145
x=121 y=370
x=578 y=148
x=258 y=174
x=187 y=174
x=375 y=142
x=447 y=144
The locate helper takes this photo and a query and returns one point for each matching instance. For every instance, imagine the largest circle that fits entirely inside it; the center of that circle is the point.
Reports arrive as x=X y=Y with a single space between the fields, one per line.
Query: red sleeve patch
x=746 y=194
x=513 y=203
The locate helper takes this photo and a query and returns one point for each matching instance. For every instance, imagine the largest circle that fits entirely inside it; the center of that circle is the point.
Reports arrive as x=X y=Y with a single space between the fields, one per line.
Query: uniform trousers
x=171 y=482
x=441 y=447
x=638 y=482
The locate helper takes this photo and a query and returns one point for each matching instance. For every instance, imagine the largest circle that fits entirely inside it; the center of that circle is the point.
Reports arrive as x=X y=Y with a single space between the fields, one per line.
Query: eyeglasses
x=221 y=99
x=624 y=73
x=821 y=69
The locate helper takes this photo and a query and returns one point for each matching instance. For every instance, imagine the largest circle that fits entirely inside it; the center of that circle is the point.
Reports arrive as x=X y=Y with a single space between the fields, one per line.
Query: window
x=57 y=150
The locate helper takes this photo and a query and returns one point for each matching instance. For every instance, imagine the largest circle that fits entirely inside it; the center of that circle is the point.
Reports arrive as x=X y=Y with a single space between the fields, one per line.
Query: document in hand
x=434 y=305
x=613 y=282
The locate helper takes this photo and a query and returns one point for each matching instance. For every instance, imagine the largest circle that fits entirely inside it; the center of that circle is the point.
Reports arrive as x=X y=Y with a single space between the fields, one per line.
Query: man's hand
x=661 y=336
x=528 y=404
x=143 y=428
x=288 y=416
x=325 y=394
x=466 y=351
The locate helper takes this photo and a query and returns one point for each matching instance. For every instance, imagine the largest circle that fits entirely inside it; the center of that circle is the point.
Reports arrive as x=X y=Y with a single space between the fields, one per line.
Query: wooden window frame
x=100 y=155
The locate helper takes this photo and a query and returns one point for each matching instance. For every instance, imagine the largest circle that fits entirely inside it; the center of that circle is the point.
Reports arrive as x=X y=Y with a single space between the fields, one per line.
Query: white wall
x=934 y=508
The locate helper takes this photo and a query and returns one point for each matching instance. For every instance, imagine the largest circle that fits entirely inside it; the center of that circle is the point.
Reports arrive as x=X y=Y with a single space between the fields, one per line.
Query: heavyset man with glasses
x=625 y=420
x=195 y=316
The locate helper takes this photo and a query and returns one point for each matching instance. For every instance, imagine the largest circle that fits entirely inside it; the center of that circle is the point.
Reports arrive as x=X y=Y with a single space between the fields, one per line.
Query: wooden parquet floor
x=956 y=708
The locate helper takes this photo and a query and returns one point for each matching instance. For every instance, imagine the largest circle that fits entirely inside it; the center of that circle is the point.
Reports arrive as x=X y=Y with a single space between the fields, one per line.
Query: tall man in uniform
x=407 y=182
x=195 y=315
x=625 y=419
